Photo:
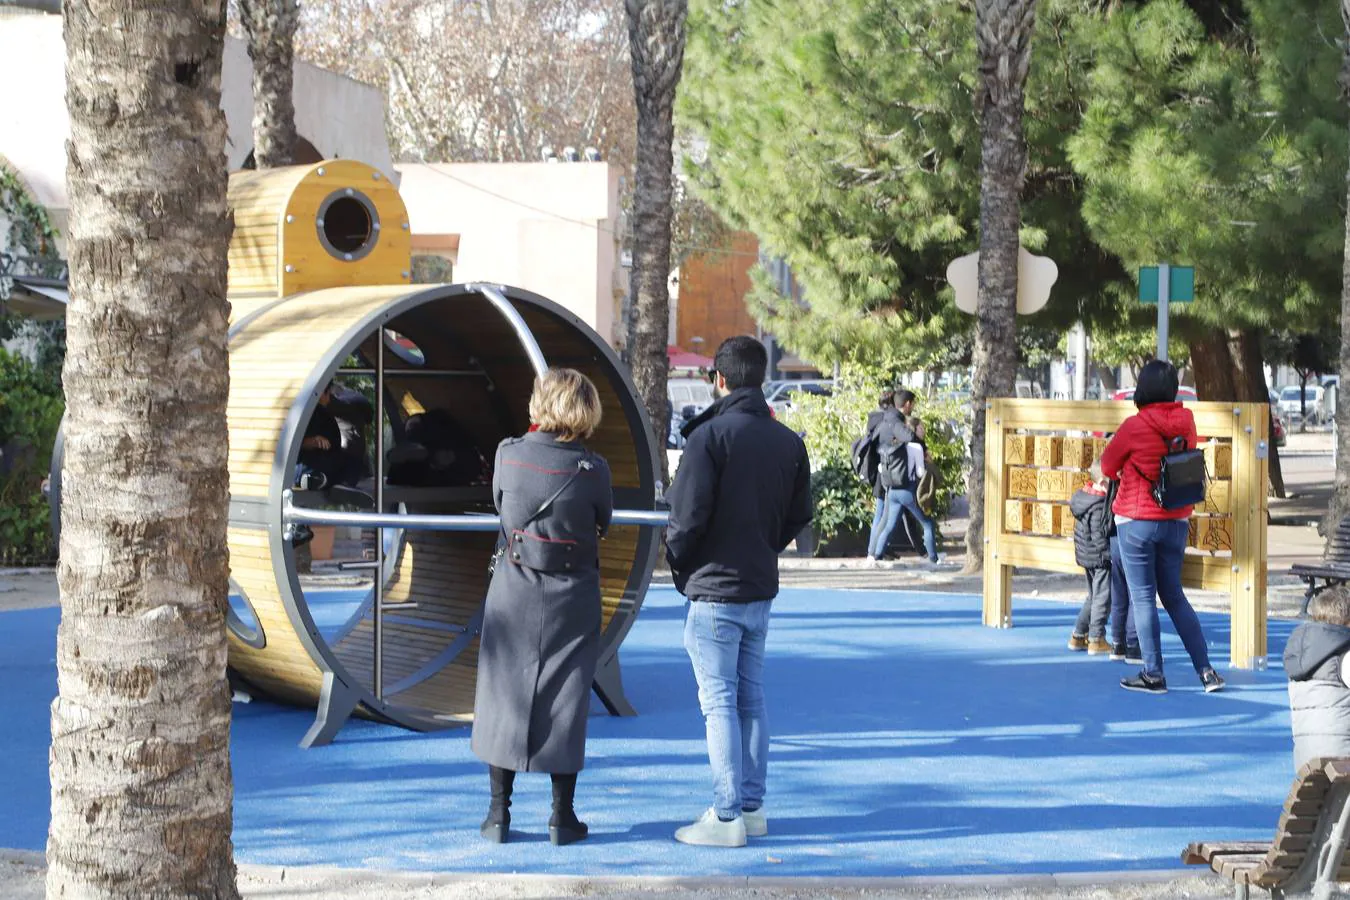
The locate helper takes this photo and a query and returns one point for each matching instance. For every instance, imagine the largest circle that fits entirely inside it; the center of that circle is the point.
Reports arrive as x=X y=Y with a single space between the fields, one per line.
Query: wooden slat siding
x=283 y=667
x=388 y=262
x=270 y=361
x=258 y=200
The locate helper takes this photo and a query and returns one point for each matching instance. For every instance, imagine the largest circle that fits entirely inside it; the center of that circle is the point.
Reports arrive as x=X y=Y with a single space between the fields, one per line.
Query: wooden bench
x=1309 y=846
x=1332 y=571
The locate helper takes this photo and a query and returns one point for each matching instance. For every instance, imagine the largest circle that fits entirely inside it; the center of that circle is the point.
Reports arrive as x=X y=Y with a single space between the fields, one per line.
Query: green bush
x=830 y=425
x=31 y=405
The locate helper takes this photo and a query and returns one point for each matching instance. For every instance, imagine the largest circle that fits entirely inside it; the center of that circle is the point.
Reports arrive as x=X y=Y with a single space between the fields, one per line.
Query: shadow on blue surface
x=908 y=739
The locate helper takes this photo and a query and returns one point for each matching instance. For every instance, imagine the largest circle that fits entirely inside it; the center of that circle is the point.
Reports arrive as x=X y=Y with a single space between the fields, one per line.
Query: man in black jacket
x=743 y=492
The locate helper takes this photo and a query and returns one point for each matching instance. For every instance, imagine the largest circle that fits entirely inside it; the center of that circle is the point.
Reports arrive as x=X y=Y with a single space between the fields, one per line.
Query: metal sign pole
x=378 y=621
x=1164 y=298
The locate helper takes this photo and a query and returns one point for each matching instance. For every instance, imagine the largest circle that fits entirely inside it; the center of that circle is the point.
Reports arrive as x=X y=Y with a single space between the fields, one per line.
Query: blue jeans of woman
x=1152 y=553
x=887 y=516
x=1122 y=617
x=725 y=642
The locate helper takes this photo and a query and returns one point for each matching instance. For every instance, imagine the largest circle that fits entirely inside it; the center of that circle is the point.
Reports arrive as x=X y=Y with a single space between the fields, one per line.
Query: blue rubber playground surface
x=908 y=740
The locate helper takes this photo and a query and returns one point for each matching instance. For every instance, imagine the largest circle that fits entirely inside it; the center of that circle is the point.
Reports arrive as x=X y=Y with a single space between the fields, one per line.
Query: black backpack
x=863 y=457
x=1181 y=476
x=893 y=456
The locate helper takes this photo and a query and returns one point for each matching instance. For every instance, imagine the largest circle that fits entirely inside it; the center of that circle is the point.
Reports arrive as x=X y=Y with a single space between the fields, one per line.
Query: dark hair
x=742 y=361
x=887 y=400
x=1157 y=384
x=903 y=397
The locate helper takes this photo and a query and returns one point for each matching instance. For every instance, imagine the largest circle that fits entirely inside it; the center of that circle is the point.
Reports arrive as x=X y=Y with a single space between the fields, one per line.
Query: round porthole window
x=348 y=224
x=403 y=347
x=242 y=620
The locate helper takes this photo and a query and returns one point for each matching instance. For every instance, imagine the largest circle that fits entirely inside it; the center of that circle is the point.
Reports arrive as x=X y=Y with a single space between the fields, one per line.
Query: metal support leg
x=1329 y=861
x=336 y=705
x=609 y=688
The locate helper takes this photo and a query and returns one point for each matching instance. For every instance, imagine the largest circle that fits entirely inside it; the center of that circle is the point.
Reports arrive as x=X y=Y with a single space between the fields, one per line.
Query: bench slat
x=1337 y=573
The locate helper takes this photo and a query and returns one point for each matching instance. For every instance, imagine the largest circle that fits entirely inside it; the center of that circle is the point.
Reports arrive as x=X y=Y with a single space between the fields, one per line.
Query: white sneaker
x=756 y=823
x=710 y=831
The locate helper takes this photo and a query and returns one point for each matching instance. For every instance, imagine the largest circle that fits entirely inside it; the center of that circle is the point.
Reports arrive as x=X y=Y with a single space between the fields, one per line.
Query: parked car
x=1184 y=394
x=688 y=397
x=780 y=393
x=1294 y=400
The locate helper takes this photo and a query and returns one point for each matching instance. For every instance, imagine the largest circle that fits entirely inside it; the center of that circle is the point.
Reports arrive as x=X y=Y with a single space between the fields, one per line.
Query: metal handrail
x=426 y=522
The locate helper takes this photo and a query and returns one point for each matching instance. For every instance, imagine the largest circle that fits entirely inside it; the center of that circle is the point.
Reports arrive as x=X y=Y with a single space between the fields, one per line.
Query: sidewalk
x=21 y=879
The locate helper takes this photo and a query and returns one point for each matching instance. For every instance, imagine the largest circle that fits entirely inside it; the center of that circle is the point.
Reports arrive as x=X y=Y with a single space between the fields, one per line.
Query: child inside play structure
x=1319 y=683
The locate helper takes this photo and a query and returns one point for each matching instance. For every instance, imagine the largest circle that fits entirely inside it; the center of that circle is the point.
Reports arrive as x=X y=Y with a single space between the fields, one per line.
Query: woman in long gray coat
x=541 y=622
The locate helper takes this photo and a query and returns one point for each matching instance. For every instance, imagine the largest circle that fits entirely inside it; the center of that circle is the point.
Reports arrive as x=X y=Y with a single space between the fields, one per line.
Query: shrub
x=31 y=405
x=830 y=425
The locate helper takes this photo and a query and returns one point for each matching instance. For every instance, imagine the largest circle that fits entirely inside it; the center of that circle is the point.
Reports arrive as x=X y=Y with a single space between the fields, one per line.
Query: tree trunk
x=1003 y=31
x=656 y=42
x=1212 y=361
x=270 y=28
x=140 y=766
x=1249 y=377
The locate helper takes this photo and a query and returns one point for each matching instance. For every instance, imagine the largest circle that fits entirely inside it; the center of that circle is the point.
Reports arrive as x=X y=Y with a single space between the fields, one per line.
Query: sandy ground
x=21 y=876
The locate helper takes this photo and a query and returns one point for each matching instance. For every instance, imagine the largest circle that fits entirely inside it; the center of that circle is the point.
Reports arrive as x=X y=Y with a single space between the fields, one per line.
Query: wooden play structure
x=1037 y=454
x=319 y=272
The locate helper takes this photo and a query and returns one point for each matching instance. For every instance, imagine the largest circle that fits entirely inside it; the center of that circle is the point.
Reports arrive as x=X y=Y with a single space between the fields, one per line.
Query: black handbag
x=583 y=465
x=1181 y=476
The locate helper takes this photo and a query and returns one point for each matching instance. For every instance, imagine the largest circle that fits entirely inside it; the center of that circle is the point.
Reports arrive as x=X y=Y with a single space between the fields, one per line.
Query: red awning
x=683 y=359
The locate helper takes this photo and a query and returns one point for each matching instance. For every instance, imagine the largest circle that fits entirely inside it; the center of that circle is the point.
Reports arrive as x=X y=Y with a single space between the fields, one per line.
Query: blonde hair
x=565 y=403
x=1331 y=606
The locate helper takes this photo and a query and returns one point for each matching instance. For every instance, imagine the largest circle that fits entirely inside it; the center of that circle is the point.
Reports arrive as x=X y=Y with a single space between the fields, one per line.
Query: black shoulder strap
x=583 y=465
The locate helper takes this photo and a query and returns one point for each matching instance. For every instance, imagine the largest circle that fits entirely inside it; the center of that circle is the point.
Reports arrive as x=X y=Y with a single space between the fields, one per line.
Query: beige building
x=335 y=116
x=551 y=228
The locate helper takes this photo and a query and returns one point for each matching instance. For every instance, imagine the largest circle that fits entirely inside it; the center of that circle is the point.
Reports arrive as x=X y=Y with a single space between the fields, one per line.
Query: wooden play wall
x=1037 y=454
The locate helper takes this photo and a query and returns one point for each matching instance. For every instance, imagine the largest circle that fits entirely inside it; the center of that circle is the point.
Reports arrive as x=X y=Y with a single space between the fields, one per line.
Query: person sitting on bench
x=1315 y=659
x=323 y=462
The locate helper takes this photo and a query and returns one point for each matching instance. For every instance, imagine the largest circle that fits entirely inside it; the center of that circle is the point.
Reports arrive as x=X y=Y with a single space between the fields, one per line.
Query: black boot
x=497 y=826
x=563 y=826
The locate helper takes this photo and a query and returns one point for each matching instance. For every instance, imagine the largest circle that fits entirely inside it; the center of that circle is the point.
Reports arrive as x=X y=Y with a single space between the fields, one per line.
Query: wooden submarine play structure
x=320 y=288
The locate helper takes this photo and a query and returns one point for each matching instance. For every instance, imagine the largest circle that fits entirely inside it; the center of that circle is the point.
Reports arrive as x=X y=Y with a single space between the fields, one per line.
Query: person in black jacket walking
x=1092 y=550
x=742 y=493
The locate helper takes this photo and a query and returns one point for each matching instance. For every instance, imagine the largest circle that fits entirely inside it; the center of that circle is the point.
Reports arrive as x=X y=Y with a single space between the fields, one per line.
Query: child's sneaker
x=1098 y=647
x=1211 y=680
x=1117 y=652
x=1078 y=642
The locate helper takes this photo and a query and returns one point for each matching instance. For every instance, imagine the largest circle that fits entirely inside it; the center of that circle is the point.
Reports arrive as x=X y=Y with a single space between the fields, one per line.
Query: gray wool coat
x=1319 y=701
x=541 y=621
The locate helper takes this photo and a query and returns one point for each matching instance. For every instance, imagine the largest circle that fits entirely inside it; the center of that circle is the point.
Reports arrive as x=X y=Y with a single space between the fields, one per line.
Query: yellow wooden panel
x=1049 y=450
x=1045 y=518
x=1218 y=498
x=1078 y=452
x=1016 y=516
x=1022 y=482
x=1066 y=524
x=1219 y=459
x=1212 y=534
x=1019 y=449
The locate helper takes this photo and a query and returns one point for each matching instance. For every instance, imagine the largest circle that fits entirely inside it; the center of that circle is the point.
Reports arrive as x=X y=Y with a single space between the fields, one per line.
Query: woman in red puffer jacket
x=1152 y=539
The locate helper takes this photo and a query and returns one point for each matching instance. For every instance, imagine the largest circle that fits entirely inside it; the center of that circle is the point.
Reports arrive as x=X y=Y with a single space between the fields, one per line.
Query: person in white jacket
x=1317 y=661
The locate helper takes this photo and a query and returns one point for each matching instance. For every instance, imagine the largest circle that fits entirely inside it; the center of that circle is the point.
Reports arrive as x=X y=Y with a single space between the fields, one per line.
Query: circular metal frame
x=288 y=450
x=374 y=215
x=252 y=635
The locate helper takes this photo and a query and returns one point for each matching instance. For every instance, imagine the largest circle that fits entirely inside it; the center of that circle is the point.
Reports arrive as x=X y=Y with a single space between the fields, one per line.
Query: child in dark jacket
x=1092 y=550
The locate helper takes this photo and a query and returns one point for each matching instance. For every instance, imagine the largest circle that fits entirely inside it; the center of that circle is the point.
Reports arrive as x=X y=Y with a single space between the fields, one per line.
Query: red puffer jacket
x=1135 y=455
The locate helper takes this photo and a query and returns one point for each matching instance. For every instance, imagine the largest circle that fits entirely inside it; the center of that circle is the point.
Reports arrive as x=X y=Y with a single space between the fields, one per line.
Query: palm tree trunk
x=270 y=27
x=656 y=44
x=1340 y=497
x=140 y=767
x=1003 y=31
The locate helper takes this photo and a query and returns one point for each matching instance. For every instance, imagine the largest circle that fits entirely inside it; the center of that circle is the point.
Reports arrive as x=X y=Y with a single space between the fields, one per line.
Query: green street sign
x=1180 y=284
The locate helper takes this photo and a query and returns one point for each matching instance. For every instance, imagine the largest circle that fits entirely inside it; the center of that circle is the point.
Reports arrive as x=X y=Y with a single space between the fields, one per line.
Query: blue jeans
x=725 y=642
x=887 y=516
x=1152 y=553
x=1122 y=616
